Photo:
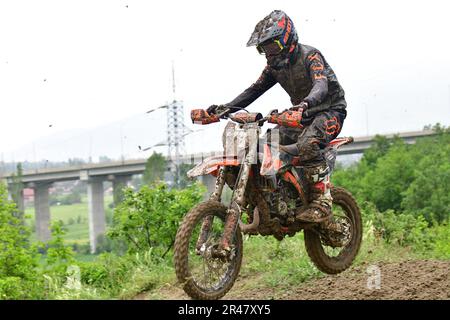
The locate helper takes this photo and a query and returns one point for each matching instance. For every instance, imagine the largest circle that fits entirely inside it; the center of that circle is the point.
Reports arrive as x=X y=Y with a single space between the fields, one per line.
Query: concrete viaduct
x=120 y=173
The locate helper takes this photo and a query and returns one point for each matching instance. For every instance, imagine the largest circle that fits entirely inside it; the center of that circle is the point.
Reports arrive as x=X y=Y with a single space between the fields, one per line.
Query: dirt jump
x=407 y=280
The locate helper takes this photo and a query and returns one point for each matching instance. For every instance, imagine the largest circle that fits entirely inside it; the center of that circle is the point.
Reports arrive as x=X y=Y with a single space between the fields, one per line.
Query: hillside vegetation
x=403 y=191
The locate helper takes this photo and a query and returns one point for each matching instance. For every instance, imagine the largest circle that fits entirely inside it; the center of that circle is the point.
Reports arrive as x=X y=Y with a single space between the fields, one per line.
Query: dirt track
x=408 y=280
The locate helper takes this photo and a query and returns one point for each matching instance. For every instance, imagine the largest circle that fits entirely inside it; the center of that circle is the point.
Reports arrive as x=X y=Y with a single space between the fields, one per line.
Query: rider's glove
x=302 y=105
x=215 y=109
x=212 y=109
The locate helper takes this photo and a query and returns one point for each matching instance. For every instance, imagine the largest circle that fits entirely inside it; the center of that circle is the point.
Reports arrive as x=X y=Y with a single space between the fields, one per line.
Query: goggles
x=270 y=48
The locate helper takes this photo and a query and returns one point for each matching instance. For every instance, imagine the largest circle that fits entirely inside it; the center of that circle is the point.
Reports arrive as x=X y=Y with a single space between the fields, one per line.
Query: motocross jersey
x=306 y=77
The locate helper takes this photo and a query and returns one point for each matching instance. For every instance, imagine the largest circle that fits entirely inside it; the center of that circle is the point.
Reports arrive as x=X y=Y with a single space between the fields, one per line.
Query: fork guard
x=211 y=165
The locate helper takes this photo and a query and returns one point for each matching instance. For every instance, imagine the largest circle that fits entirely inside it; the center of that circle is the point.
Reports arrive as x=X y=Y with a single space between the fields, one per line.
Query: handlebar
x=287 y=118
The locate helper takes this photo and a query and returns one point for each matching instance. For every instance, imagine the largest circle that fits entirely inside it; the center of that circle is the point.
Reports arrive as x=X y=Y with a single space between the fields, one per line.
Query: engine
x=283 y=202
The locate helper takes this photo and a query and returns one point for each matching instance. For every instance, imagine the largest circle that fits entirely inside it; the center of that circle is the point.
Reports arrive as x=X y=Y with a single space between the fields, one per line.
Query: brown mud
x=407 y=280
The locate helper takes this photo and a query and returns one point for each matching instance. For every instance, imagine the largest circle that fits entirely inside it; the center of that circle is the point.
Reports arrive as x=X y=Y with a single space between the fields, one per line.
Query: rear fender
x=338 y=142
x=211 y=165
x=331 y=150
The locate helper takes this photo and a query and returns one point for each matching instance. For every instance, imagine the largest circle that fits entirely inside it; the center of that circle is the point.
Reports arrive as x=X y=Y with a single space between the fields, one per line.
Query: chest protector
x=295 y=78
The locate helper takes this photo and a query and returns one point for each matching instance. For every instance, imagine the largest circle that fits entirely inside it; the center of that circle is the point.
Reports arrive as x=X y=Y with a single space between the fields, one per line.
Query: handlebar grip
x=200 y=116
x=243 y=117
x=290 y=119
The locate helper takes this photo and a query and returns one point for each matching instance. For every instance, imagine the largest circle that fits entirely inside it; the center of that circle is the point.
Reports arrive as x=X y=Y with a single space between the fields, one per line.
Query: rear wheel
x=331 y=251
x=202 y=275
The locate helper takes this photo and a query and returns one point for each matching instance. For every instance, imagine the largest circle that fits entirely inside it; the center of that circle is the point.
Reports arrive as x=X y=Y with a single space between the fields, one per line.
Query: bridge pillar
x=119 y=182
x=42 y=211
x=97 y=218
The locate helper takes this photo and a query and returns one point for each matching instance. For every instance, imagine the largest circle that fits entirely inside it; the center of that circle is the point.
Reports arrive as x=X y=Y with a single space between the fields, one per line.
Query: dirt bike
x=267 y=193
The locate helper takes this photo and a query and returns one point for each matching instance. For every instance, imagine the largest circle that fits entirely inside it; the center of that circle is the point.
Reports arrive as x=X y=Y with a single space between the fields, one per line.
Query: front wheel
x=334 y=252
x=203 y=275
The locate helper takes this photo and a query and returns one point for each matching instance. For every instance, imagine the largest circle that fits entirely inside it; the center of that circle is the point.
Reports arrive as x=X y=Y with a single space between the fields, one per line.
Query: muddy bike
x=268 y=193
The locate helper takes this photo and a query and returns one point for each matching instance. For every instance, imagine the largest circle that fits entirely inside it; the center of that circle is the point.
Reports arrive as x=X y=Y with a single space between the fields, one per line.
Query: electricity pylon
x=176 y=131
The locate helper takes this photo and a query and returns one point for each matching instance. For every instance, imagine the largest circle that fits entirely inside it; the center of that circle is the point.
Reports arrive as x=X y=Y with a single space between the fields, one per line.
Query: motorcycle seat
x=291 y=149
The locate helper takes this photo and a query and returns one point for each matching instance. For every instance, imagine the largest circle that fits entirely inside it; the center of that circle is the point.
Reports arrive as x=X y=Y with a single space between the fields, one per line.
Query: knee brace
x=309 y=150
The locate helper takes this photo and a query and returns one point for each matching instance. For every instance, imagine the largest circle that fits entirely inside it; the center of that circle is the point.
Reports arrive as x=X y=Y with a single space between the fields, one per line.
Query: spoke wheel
x=333 y=248
x=203 y=275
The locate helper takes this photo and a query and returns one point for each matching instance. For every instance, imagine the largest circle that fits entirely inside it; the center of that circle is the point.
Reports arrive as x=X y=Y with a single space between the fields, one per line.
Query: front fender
x=211 y=165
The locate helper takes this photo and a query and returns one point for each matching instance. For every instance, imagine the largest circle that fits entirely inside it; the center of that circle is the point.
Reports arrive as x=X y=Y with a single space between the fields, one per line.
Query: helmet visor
x=270 y=48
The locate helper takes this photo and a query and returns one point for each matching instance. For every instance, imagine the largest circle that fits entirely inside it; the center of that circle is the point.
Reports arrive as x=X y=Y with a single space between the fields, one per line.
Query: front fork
x=216 y=196
x=234 y=210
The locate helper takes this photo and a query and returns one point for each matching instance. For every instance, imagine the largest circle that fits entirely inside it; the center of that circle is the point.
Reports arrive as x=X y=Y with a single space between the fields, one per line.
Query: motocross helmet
x=274 y=34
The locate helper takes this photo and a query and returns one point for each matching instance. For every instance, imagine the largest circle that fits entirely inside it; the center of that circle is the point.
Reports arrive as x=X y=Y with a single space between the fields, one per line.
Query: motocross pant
x=311 y=140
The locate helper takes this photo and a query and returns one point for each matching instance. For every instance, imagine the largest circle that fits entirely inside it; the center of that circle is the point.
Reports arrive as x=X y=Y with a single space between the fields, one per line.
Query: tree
x=154 y=168
x=390 y=178
x=183 y=180
x=379 y=148
x=429 y=193
x=406 y=178
x=149 y=218
x=18 y=260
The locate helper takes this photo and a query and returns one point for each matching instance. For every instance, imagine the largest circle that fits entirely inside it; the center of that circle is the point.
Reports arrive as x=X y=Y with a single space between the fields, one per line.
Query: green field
x=74 y=217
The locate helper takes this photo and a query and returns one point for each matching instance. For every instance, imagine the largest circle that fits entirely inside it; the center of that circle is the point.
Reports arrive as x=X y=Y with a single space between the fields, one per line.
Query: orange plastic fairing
x=211 y=165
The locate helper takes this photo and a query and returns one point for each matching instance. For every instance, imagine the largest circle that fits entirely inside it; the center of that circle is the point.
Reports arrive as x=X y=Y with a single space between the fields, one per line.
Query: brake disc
x=336 y=233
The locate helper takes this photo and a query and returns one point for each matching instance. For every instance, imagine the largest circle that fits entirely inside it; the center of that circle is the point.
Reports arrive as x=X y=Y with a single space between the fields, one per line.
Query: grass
x=278 y=266
x=74 y=217
x=277 y=262
x=85 y=257
x=77 y=233
x=267 y=263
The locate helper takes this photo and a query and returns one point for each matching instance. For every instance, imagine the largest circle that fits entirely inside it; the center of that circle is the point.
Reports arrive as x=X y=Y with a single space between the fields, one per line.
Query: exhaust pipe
x=252 y=227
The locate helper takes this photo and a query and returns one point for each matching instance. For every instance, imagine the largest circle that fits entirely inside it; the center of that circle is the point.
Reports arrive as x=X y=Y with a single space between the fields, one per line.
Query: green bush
x=59 y=256
x=149 y=218
x=83 y=248
x=393 y=173
x=125 y=276
x=145 y=223
x=403 y=229
x=24 y=274
x=19 y=277
x=404 y=190
x=405 y=178
x=429 y=192
x=441 y=241
x=107 y=244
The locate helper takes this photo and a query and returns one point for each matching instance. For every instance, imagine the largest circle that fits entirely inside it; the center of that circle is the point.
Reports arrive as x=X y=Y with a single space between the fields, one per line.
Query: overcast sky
x=71 y=68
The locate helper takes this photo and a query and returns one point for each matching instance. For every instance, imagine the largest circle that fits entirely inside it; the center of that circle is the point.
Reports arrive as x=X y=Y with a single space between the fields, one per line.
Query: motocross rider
x=312 y=85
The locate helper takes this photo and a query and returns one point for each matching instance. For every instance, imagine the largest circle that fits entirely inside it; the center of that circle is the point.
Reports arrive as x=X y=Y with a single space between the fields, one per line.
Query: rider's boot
x=319 y=209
